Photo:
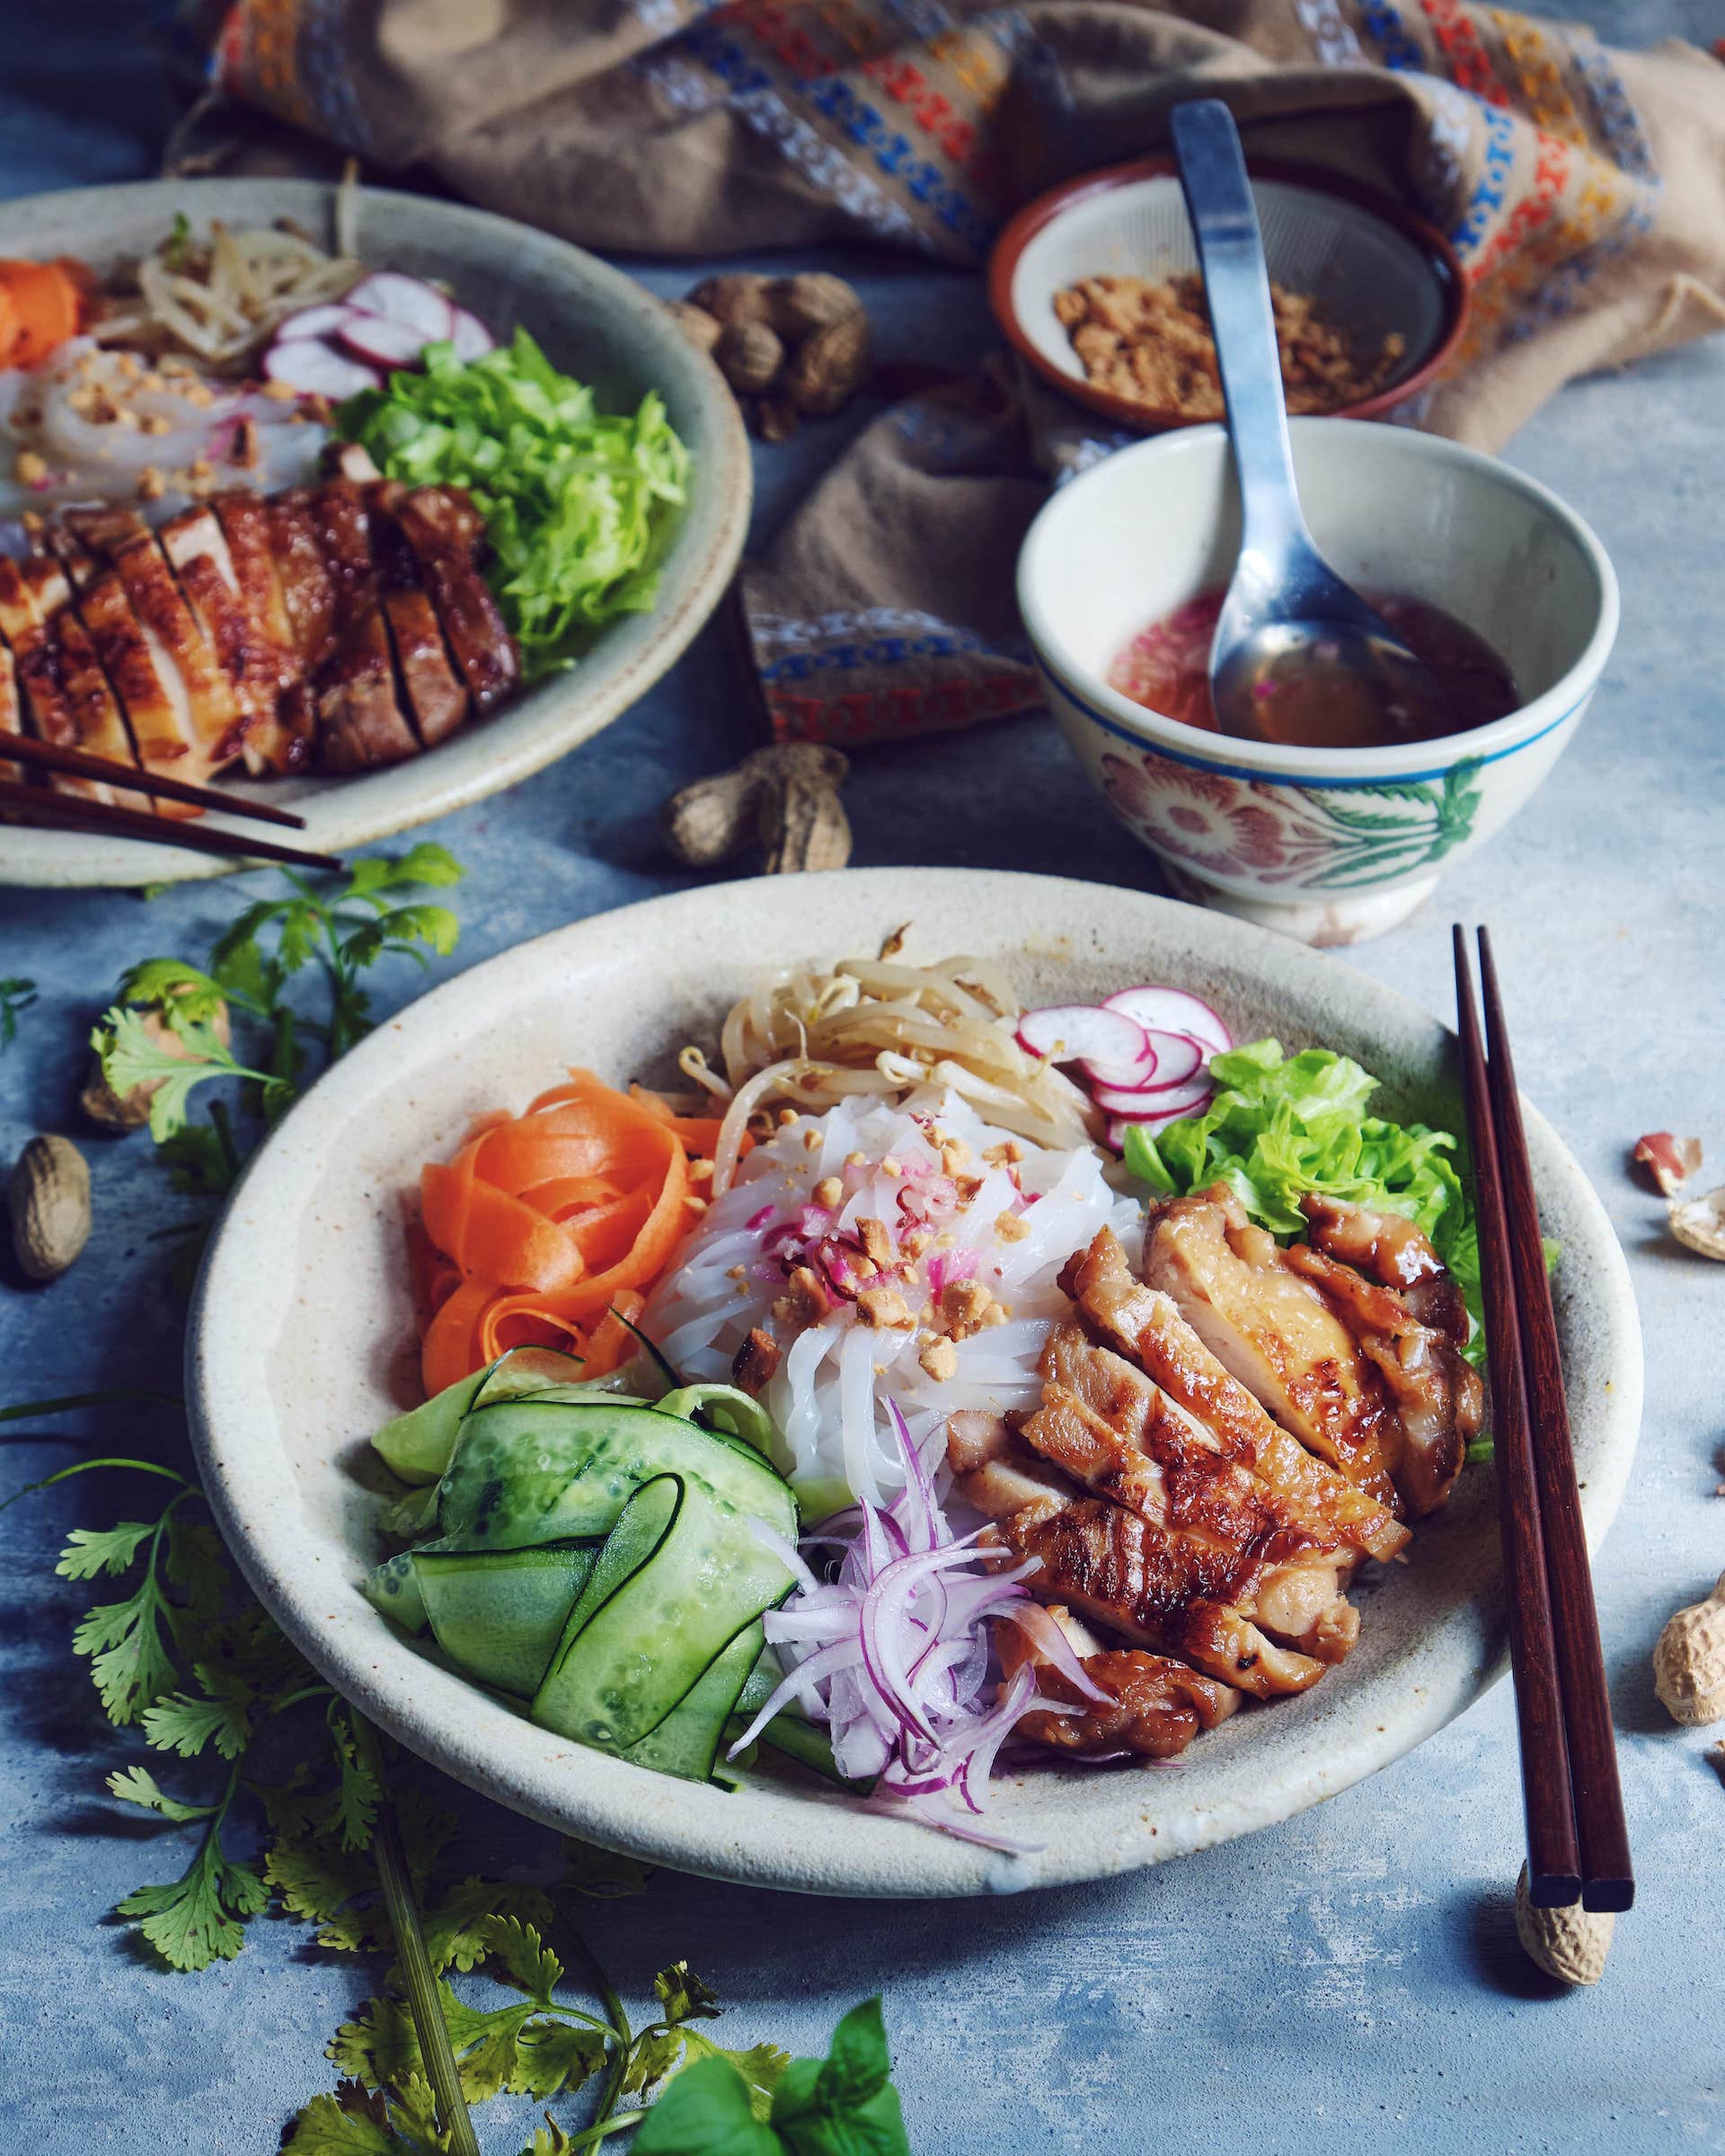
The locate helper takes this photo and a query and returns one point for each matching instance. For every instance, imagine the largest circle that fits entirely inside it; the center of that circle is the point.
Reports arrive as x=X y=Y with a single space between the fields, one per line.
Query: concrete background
x=1350 y=1977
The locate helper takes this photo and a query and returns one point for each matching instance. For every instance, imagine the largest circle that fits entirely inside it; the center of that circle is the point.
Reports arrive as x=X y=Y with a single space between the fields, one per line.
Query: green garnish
x=577 y=502
x=1280 y=1126
x=16 y=995
x=175 y=248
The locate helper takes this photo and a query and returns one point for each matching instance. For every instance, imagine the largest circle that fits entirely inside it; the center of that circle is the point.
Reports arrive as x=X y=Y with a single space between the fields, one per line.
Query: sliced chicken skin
x=259 y=668
x=438 y=695
x=1141 y=1323
x=1160 y=1704
x=61 y=691
x=1269 y=1325
x=1386 y=1247
x=361 y=720
x=1149 y=1456
x=307 y=592
x=1414 y=1339
x=11 y=715
x=147 y=684
x=281 y=741
x=218 y=722
x=1174 y=1595
x=485 y=653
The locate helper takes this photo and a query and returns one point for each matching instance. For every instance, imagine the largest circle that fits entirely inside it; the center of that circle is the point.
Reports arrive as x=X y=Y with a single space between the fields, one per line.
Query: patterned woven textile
x=1583 y=188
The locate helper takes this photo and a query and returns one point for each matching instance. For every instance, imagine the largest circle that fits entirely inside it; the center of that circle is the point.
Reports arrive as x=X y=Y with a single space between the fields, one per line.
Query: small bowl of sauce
x=1313 y=817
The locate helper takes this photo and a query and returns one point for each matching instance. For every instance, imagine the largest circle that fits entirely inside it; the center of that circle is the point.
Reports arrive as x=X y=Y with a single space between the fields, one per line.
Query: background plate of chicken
x=198 y=576
x=1214 y=1437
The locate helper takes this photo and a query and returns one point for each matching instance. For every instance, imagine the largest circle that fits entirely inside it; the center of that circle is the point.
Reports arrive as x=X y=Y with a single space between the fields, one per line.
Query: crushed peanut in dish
x=1149 y=341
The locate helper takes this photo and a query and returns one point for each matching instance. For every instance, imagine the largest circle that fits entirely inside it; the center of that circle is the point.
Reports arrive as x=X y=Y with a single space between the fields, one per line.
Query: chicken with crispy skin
x=1158 y=1705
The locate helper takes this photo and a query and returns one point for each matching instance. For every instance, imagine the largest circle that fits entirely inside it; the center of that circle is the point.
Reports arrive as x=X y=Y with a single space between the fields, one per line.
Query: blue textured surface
x=1348 y=1980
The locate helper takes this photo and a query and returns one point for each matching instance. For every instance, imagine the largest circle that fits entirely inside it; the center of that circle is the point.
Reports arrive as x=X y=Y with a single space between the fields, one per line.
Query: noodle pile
x=874 y=1027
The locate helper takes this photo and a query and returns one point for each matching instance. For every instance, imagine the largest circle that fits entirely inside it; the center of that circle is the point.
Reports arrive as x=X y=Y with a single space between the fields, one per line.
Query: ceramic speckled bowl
x=594 y=322
x=1330 y=846
x=302 y=1335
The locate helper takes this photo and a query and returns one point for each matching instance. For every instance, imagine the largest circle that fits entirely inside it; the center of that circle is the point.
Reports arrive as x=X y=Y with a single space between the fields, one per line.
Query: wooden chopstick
x=78 y=764
x=20 y=804
x=1554 y=1849
x=1607 y=1876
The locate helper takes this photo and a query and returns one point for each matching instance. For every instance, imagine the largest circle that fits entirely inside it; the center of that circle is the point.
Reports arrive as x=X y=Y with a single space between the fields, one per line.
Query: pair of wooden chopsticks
x=37 y=805
x=1578 y=1843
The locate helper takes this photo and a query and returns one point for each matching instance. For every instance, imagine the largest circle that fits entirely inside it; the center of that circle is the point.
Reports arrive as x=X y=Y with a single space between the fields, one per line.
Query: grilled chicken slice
x=62 y=692
x=438 y=696
x=1159 y=1705
x=11 y=713
x=281 y=740
x=1142 y=1324
x=436 y=522
x=306 y=590
x=1173 y=1593
x=218 y=722
x=1267 y=1324
x=1107 y=1426
x=147 y=684
x=259 y=667
x=1413 y=1336
x=361 y=720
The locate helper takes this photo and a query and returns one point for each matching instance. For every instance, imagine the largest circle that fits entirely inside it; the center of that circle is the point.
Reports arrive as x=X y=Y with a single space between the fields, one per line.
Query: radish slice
x=1071 y=1032
x=1118 y=1125
x=469 y=335
x=309 y=365
x=313 y=321
x=381 y=342
x=1162 y=1105
x=1174 y=1010
x=409 y=301
x=1179 y=1059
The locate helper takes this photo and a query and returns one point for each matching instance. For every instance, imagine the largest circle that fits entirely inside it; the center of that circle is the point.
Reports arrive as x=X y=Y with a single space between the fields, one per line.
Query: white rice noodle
x=828 y=1396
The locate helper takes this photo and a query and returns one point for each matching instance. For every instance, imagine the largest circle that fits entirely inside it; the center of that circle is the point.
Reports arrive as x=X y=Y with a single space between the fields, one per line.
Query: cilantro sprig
x=16 y=995
x=251 y=1015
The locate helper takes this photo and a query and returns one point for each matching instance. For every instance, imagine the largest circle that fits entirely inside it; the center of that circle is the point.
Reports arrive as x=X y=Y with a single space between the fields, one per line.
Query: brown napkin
x=1584 y=188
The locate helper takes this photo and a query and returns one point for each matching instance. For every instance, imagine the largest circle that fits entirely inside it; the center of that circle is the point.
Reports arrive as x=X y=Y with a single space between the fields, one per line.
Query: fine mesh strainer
x=1375 y=270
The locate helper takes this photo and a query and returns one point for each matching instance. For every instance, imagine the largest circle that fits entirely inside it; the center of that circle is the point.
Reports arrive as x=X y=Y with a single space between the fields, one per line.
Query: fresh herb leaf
x=200 y=1918
x=182 y=1724
x=762 y=2067
x=845 y=2105
x=683 y=1996
x=138 y=1785
x=16 y=996
x=706 y=2112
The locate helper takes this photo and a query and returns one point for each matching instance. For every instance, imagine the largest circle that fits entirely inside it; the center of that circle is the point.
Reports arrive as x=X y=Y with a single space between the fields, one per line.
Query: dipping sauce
x=1166 y=667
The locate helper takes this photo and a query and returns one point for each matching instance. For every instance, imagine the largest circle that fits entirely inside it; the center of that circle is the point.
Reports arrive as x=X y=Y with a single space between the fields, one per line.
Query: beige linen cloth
x=1584 y=188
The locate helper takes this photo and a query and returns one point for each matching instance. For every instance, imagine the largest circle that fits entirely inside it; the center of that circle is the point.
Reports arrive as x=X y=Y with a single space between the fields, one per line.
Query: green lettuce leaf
x=578 y=503
x=1279 y=1126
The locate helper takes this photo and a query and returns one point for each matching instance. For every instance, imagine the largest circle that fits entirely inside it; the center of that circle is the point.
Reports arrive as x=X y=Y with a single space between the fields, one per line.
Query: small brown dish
x=1375 y=271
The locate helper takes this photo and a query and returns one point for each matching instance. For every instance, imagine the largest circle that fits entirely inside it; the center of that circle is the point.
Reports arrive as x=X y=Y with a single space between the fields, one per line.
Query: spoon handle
x=1236 y=284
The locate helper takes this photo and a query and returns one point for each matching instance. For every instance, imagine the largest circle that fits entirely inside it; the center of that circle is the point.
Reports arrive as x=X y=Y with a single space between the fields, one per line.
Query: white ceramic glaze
x=594 y=322
x=1329 y=846
x=301 y=1342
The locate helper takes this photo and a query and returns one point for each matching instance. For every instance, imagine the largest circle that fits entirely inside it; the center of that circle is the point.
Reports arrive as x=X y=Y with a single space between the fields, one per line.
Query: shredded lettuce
x=577 y=502
x=1279 y=1126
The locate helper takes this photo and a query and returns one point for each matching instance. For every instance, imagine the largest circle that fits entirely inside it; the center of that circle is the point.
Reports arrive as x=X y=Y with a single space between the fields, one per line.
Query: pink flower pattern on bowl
x=1326 y=838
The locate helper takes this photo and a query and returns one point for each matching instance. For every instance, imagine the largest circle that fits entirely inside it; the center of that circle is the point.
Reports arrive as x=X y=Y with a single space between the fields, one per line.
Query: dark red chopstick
x=1554 y=1849
x=35 y=805
x=1607 y=1876
x=78 y=764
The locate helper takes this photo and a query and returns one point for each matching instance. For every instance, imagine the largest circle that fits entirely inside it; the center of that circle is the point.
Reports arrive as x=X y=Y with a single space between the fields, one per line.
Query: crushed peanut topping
x=940 y=1359
x=829 y=1192
x=789 y=1118
x=30 y=468
x=954 y=1155
x=804 y=1300
x=881 y=1307
x=151 y=485
x=811 y=1140
x=963 y=1305
x=735 y=1272
x=1011 y=1227
x=1006 y=1155
x=154 y=422
x=876 y=1242
x=856 y=1159
x=916 y=1242
x=968 y=1186
x=278 y=392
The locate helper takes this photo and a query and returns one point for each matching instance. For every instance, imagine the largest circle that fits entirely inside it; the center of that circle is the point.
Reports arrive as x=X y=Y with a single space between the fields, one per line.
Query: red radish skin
x=1145 y=1108
x=1174 y=1010
x=380 y=342
x=409 y=301
x=313 y=321
x=1179 y=1059
x=309 y=365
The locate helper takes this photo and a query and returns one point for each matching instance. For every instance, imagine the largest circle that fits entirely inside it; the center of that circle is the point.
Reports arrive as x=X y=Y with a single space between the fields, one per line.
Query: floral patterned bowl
x=1330 y=846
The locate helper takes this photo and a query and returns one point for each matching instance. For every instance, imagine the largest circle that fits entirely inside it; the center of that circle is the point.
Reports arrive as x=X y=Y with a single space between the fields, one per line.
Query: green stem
x=222 y=1124
x=606 y=2122
x=413 y=1956
x=68 y=1402
x=85 y=1467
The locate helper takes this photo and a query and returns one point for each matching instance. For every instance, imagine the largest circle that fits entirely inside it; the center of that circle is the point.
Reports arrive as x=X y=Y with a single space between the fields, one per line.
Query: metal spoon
x=1298 y=655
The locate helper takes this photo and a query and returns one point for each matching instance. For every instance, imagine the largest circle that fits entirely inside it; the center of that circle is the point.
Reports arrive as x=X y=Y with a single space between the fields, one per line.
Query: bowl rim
x=551 y=716
x=1117 y=715
x=1445 y=264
